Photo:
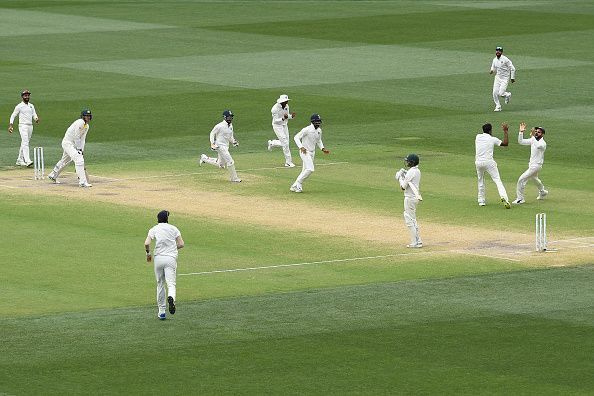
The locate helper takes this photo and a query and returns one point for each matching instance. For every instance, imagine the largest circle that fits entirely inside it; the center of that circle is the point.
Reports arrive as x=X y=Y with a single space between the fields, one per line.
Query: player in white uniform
x=220 y=138
x=306 y=140
x=410 y=183
x=484 y=144
x=537 y=149
x=280 y=119
x=74 y=147
x=504 y=71
x=168 y=241
x=26 y=113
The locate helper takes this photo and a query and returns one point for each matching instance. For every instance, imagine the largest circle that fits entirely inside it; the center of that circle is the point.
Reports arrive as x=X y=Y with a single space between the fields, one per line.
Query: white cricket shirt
x=164 y=235
x=503 y=67
x=537 y=149
x=413 y=176
x=278 y=114
x=484 y=144
x=26 y=113
x=222 y=134
x=76 y=134
x=309 y=137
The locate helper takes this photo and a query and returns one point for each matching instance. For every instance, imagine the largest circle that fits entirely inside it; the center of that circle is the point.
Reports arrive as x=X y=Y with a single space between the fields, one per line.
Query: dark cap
x=163 y=216
x=499 y=49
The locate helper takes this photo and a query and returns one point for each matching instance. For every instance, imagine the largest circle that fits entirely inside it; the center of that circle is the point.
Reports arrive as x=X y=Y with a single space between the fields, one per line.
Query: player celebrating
x=504 y=72
x=484 y=144
x=280 y=118
x=537 y=148
x=306 y=140
x=220 y=137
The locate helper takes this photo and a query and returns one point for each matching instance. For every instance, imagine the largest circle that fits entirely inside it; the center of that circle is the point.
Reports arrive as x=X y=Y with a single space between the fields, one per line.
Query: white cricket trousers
x=308 y=167
x=282 y=133
x=71 y=154
x=410 y=219
x=490 y=167
x=224 y=160
x=26 y=132
x=499 y=89
x=530 y=173
x=165 y=273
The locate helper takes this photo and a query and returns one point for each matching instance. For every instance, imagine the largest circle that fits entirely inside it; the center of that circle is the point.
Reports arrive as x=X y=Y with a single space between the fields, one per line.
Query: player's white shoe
x=53 y=178
x=85 y=185
x=507 y=98
x=542 y=194
x=28 y=164
x=415 y=245
x=238 y=180
x=289 y=165
x=518 y=201
x=270 y=145
x=202 y=159
x=482 y=204
x=498 y=108
x=20 y=163
x=296 y=188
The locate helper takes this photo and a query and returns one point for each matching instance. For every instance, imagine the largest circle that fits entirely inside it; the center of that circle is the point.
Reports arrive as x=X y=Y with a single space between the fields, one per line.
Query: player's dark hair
x=163 y=216
x=487 y=128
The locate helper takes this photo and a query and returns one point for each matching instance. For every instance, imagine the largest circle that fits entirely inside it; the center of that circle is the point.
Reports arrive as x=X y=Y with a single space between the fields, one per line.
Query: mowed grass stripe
x=39 y=22
x=456 y=334
x=290 y=68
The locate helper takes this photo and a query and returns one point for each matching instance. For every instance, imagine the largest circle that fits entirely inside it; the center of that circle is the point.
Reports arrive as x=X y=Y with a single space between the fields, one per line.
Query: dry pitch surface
x=439 y=239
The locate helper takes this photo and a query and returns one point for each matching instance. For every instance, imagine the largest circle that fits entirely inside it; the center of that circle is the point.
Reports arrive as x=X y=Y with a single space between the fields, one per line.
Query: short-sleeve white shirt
x=484 y=144
x=165 y=236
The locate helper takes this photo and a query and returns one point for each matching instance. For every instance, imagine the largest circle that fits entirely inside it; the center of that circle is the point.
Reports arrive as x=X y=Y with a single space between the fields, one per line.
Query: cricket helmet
x=315 y=117
x=412 y=160
x=86 y=112
x=228 y=115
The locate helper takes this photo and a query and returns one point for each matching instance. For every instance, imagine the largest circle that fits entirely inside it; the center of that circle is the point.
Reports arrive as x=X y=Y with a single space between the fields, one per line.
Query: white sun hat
x=283 y=98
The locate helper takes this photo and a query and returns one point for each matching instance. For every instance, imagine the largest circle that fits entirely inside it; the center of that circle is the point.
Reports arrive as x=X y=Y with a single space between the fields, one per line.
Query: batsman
x=410 y=181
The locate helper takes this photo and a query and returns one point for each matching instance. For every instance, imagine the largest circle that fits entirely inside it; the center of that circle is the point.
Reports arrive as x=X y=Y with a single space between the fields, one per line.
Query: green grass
x=388 y=78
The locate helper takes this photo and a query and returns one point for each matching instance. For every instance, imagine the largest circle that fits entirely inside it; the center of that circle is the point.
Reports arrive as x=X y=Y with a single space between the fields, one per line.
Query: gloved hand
x=400 y=173
x=235 y=143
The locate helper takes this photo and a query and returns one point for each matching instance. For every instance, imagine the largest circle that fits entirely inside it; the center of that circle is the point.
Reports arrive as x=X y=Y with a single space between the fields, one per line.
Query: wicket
x=39 y=165
x=541 y=232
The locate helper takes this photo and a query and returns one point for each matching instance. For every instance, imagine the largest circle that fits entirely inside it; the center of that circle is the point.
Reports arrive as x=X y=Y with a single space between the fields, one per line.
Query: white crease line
x=7 y=186
x=471 y=253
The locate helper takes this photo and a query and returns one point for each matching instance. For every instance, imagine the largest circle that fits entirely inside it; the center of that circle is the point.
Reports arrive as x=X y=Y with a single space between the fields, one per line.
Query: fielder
x=168 y=241
x=74 y=146
x=306 y=140
x=537 y=149
x=484 y=144
x=410 y=182
x=504 y=71
x=280 y=118
x=220 y=138
x=26 y=113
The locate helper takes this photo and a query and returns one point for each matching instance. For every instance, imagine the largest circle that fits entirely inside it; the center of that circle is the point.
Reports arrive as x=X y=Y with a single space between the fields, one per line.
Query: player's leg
x=493 y=171
x=79 y=165
x=410 y=219
x=278 y=131
x=286 y=149
x=226 y=160
x=160 y=277
x=503 y=90
x=170 y=269
x=24 y=155
x=308 y=167
x=496 y=94
x=480 y=173
x=521 y=185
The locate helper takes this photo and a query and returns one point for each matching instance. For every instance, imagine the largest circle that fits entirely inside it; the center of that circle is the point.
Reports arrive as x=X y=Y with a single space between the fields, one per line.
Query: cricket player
x=74 y=146
x=484 y=144
x=220 y=138
x=410 y=183
x=504 y=71
x=280 y=119
x=168 y=241
x=537 y=149
x=26 y=113
x=306 y=140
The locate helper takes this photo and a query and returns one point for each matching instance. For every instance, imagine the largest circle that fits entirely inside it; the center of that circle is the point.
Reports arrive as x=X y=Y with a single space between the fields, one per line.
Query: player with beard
x=537 y=148
x=504 y=71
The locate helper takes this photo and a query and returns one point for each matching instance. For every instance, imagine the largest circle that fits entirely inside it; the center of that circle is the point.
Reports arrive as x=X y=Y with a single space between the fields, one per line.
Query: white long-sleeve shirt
x=165 y=235
x=537 y=149
x=278 y=114
x=309 y=137
x=503 y=67
x=222 y=134
x=76 y=134
x=484 y=144
x=413 y=176
x=26 y=113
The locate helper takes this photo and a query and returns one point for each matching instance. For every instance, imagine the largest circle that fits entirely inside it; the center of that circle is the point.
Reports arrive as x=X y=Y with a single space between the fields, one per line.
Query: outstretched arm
x=505 y=141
